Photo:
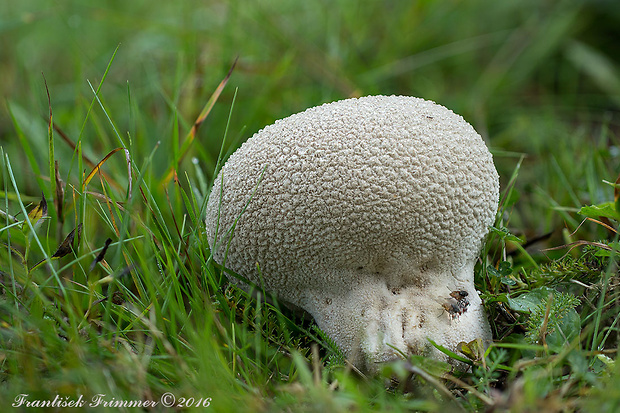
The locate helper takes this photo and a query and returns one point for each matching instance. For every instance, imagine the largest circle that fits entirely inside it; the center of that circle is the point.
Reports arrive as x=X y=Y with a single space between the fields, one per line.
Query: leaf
x=613 y=250
x=526 y=303
x=67 y=245
x=504 y=234
x=447 y=352
x=37 y=213
x=503 y=272
x=474 y=350
x=607 y=210
x=101 y=254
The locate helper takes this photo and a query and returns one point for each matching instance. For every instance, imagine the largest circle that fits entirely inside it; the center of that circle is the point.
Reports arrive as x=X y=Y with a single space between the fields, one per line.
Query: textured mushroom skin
x=366 y=213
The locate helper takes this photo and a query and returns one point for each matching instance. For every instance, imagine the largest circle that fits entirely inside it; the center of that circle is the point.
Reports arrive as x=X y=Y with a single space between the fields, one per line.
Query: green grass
x=154 y=314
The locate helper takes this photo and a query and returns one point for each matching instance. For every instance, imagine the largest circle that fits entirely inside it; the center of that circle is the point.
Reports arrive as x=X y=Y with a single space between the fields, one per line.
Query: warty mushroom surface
x=369 y=214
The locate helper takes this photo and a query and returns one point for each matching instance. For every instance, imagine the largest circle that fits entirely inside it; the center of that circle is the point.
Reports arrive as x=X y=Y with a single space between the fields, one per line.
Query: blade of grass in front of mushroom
x=191 y=206
x=205 y=199
x=203 y=207
x=221 y=193
x=231 y=230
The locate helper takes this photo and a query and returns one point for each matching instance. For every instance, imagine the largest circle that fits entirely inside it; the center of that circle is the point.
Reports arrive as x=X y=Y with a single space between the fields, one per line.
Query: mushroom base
x=373 y=324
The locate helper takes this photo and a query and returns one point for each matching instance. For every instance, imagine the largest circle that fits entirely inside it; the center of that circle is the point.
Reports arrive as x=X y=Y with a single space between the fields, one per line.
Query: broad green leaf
x=565 y=331
x=608 y=253
x=607 y=210
x=527 y=302
x=503 y=272
x=473 y=350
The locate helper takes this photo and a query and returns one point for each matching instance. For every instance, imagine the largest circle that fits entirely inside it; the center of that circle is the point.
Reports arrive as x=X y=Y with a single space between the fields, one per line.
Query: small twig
x=356 y=370
x=604 y=224
x=316 y=366
x=436 y=383
x=582 y=284
x=578 y=226
x=485 y=399
x=575 y=244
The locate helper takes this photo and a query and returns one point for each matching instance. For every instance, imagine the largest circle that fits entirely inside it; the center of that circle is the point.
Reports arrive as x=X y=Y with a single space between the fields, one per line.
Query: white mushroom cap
x=366 y=213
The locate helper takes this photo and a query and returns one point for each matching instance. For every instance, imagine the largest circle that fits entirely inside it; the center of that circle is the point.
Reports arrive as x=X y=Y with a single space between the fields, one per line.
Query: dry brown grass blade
x=604 y=222
x=201 y=118
x=104 y=198
x=101 y=255
x=67 y=245
x=85 y=157
x=100 y=164
x=483 y=397
x=575 y=244
x=438 y=385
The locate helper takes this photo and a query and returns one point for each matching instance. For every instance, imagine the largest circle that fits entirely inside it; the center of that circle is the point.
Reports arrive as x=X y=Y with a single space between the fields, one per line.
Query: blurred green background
x=538 y=78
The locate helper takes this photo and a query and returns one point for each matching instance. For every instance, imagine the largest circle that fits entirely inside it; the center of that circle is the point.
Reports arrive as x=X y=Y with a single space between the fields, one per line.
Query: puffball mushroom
x=367 y=213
